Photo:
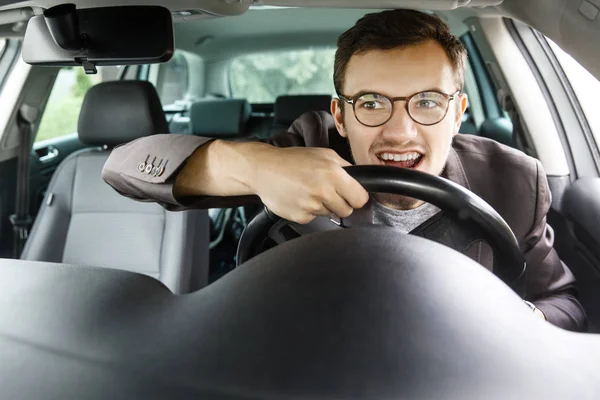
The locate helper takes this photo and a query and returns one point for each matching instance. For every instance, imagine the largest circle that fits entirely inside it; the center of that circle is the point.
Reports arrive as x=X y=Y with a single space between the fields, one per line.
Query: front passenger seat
x=84 y=221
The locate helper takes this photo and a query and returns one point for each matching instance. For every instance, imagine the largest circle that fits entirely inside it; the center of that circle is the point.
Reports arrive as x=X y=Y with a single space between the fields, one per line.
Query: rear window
x=261 y=77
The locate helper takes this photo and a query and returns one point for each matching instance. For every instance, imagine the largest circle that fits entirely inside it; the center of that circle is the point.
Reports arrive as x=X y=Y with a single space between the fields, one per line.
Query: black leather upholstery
x=220 y=117
x=289 y=108
x=117 y=112
x=498 y=129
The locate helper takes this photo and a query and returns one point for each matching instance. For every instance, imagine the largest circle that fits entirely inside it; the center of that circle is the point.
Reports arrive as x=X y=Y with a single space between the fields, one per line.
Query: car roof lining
x=560 y=20
x=279 y=29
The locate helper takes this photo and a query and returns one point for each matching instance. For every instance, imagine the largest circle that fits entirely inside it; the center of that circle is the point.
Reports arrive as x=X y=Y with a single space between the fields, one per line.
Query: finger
x=338 y=206
x=324 y=211
x=352 y=192
x=306 y=217
x=300 y=217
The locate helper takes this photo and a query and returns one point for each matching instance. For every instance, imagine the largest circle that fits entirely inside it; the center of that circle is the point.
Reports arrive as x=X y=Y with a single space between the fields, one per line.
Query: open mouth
x=403 y=160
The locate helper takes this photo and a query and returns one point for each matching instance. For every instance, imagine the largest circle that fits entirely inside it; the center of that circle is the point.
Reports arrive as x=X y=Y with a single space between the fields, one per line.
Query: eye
x=427 y=104
x=372 y=105
x=428 y=101
x=372 y=102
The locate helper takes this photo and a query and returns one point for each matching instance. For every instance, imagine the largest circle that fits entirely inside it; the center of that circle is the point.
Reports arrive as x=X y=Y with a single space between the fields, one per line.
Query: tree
x=260 y=78
x=82 y=83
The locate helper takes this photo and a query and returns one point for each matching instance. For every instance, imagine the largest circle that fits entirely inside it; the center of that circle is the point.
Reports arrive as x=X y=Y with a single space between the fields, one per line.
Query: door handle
x=51 y=154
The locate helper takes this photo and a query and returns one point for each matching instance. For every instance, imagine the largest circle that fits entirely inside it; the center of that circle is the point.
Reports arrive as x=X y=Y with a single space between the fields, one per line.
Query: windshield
x=261 y=77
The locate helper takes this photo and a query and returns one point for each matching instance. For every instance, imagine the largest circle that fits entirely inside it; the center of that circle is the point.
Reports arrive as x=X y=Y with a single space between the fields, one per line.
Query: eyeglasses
x=425 y=108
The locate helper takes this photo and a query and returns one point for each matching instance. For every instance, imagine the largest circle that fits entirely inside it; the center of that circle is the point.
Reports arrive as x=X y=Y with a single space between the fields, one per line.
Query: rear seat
x=289 y=108
x=231 y=119
x=221 y=118
x=234 y=118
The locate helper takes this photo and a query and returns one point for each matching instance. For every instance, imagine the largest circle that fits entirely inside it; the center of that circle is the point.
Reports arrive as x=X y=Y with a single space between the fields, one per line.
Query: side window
x=585 y=86
x=64 y=104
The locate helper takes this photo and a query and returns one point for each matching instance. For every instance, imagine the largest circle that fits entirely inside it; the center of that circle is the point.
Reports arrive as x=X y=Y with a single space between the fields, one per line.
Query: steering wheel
x=509 y=263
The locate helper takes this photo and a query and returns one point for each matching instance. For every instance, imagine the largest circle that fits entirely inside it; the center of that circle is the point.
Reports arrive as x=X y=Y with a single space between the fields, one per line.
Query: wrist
x=253 y=163
x=239 y=163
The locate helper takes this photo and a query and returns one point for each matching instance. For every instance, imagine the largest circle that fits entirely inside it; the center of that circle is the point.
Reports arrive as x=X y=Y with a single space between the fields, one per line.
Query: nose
x=400 y=124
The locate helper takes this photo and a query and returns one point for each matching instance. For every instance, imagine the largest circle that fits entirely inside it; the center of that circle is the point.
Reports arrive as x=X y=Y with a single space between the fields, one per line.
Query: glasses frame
x=352 y=100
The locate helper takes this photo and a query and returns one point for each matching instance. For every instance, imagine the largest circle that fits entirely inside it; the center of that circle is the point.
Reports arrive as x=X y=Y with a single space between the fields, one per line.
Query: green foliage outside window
x=82 y=83
x=62 y=110
x=260 y=78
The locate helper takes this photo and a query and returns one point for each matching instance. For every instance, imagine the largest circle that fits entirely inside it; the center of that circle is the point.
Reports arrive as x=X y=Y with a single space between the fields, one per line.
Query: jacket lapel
x=454 y=170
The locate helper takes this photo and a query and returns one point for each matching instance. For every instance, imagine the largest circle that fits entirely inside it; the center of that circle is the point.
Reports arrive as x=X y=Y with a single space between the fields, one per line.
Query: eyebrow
x=431 y=89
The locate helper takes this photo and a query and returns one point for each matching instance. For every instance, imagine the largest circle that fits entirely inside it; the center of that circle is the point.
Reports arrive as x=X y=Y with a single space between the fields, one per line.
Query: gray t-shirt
x=404 y=220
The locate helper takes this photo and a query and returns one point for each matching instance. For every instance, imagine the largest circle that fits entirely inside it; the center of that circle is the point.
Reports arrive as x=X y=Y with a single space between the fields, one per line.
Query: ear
x=336 y=111
x=463 y=102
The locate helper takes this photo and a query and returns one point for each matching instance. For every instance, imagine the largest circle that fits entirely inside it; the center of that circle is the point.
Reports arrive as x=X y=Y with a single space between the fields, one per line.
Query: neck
x=397 y=202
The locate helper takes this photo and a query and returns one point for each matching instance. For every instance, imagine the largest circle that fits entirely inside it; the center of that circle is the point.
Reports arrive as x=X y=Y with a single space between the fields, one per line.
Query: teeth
x=399 y=157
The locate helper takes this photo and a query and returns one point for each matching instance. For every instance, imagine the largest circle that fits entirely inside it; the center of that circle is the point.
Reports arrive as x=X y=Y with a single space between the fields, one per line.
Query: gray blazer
x=510 y=181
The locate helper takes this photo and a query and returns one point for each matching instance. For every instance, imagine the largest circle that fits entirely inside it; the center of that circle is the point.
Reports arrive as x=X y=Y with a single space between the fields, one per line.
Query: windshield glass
x=261 y=77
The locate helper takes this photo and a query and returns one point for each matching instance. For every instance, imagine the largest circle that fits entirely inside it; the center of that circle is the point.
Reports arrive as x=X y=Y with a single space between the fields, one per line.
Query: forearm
x=563 y=310
x=220 y=168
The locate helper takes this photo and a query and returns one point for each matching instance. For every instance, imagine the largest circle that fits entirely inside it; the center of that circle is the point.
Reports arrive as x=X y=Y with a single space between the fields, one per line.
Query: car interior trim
x=559 y=97
x=529 y=98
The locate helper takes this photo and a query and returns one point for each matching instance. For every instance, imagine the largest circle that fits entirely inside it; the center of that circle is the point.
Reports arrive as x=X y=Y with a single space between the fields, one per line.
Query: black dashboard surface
x=355 y=313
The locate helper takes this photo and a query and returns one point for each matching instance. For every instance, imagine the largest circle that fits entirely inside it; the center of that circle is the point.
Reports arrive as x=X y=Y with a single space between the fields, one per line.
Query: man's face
x=396 y=73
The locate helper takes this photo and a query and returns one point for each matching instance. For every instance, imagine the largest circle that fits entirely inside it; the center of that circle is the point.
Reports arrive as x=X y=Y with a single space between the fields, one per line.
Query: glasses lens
x=372 y=109
x=428 y=107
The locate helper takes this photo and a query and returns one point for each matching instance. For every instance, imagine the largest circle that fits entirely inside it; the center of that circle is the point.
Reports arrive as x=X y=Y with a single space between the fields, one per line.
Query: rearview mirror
x=65 y=36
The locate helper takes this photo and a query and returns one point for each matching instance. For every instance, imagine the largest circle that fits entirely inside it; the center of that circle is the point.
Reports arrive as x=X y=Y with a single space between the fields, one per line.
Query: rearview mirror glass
x=66 y=36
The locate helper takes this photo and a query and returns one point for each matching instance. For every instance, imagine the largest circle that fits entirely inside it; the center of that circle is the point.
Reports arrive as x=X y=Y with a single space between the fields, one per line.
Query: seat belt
x=21 y=219
x=507 y=103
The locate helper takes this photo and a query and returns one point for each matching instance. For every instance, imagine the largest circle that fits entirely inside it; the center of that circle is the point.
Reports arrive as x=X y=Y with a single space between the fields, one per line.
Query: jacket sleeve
x=123 y=169
x=550 y=283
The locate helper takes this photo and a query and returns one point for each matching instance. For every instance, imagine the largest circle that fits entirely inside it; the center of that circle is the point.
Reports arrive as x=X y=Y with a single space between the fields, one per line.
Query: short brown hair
x=387 y=30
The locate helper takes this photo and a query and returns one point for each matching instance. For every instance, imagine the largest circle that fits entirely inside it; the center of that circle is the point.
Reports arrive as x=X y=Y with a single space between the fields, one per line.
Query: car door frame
x=575 y=138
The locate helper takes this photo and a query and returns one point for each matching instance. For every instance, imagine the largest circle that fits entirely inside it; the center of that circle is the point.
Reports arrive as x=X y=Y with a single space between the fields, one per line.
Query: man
x=399 y=79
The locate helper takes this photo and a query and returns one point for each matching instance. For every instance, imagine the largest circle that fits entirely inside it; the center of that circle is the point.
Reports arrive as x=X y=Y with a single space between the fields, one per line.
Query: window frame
x=8 y=59
x=574 y=131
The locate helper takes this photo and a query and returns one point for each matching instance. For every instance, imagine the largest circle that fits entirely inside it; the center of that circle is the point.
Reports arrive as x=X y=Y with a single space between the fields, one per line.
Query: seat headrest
x=219 y=117
x=289 y=108
x=117 y=112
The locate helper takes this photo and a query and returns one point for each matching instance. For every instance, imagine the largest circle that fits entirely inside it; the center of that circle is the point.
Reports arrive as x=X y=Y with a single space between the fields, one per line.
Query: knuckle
x=325 y=151
x=312 y=207
x=319 y=194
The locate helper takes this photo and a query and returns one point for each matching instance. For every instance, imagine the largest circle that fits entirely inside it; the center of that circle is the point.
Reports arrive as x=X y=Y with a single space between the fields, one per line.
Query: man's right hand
x=296 y=183
x=300 y=183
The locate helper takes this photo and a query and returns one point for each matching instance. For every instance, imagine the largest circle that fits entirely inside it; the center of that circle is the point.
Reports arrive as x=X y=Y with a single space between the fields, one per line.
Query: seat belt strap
x=508 y=104
x=21 y=220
